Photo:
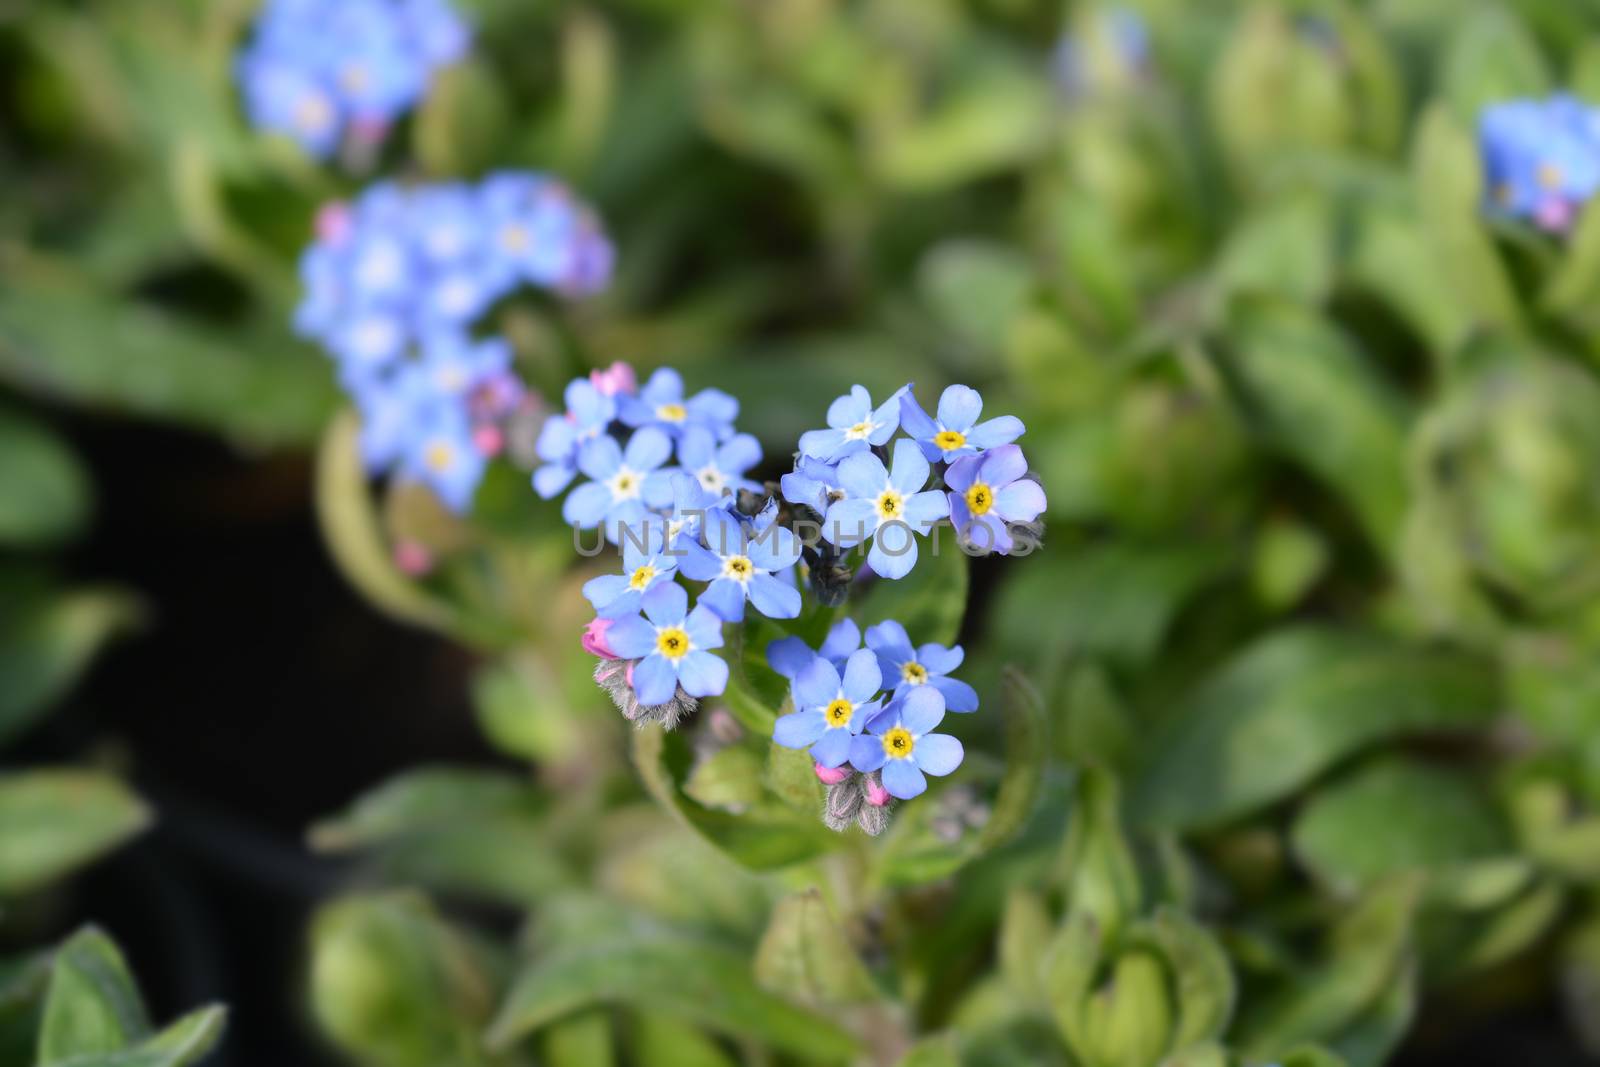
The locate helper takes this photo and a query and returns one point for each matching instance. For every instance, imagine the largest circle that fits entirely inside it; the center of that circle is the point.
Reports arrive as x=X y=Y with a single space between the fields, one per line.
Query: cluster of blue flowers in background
x=319 y=71
x=1541 y=159
x=396 y=282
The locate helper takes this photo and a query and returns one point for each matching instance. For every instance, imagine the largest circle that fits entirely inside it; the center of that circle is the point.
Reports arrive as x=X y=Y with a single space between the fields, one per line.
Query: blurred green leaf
x=185 y=1042
x=53 y=821
x=1321 y=402
x=61 y=338
x=1290 y=705
x=1391 y=817
x=692 y=979
x=44 y=491
x=1490 y=58
x=47 y=641
x=995 y=119
x=805 y=956
x=93 y=1006
x=1103 y=880
x=580 y=1040
x=663 y=1041
x=394 y=985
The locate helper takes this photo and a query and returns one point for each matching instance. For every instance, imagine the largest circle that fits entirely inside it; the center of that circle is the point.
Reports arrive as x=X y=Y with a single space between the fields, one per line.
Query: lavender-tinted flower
x=905 y=668
x=956 y=432
x=672 y=645
x=661 y=403
x=853 y=426
x=319 y=72
x=991 y=493
x=1541 y=159
x=901 y=743
x=886 y=508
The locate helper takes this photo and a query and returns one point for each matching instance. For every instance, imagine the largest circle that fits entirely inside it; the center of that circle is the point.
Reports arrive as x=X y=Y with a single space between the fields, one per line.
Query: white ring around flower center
x=626 y=484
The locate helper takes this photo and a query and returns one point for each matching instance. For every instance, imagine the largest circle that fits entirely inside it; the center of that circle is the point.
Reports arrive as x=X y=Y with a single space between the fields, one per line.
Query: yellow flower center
x=441 y=457
x=312 y=113
x=1550 y=176
x=739 y=568
x=980 y=498
x=949 y=440
x=890 y=505
x=641 y=577
x=838 y=713
x=625 y=485
x=859 y=432
x=514 y=238
x=914 y=672
x=898 y=743
x=672 y=412
x=672 y=642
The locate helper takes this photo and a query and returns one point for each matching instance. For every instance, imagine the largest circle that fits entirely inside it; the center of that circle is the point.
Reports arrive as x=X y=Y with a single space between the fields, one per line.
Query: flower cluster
x=321 y=72
x=396 y=281
x=664 y=475
x=873 y=708
x=1541 y=159
x=841 y=477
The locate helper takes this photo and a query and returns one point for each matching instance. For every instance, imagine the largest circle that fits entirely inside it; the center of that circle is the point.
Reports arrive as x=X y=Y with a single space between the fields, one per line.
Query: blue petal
x=910 y=471
x=600 y=458
x=938 y=659
x=821 y=444
x=855 y=406
x=654 y=680
x=894 y=551
x=849 y=522
x=723 y=533
x=959 y=408
x=703 y=674
x=890 y=637
x=962 y=473
x=604 y=590
x=774 y=599
x=799 y=729
x=862 y=676
x=647 y=449
x=1001 y=465
x=1020 y=501
x=773 y=549
x=959 y=697
x=664 y=387
x=741 y=453
x=789 y=656
x=995 y=432
x=817 y=685
x=914 y=420
x=695 y=562
x=586 y=505
x=550 y=479
x=863 y=475
x=725 y=597
x=844 y=637
x=631 y=637
x=697 y=448
x=704 y=627
x=833 y=748
x=902 y=779
x=938 y=754
x=866 y=752
x=666 y=604
x=921 y=709
x=922 y=510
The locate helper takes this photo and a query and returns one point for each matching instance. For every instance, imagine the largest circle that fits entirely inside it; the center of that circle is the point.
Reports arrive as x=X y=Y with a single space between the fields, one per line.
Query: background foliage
x=1301 y=731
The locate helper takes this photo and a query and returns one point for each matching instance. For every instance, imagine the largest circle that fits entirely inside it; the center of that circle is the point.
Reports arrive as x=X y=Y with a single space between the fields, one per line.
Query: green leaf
x=1114 y=600
x=1103 y=881
x=940 y=1050
x=47 y=641
x=44 y=491
x=1288 y=707
x=1450 y=198
x=805 y=956
x=1202 y=978
x=93 y=1006
x=930 y=602
x=663 y=1041
x=767 y=835
x=1393 y=816
x=1321 y=402
x=53 y=821
x=1368 y=947
x=476 y=831
x=977 y=289
x=394 y=985
x=581 y=1040
x=63 y=338
x=995 y=119
x=695 y=980
x=1491 y=58
x=185 y=1042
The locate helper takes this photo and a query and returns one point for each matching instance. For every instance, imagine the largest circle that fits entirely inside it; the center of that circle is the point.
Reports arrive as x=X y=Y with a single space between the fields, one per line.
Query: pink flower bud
x=831 y=775
x=489 y=440
x=594 y=640
x=333 y=222
x=877 y=795
x=1556 y=215
x=615 y=379
x=368 y=130
x=413 y=558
